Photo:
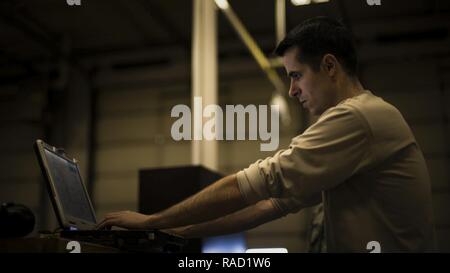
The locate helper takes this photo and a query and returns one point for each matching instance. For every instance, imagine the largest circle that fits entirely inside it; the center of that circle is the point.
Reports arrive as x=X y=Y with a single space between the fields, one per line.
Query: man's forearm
x=247 y=218
x=216 y=200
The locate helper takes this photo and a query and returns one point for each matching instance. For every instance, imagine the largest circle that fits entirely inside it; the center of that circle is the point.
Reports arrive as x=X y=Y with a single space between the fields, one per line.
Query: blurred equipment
x=161 y=188
x=230 y=243
x=16 y=220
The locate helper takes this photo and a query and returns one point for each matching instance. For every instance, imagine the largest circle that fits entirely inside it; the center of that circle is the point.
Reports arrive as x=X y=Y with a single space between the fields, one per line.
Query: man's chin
x=315 y=112
x=312 y=111
x=307 y=109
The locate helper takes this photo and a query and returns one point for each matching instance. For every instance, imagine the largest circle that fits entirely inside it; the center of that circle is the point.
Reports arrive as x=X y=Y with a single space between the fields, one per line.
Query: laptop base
x=129 y=240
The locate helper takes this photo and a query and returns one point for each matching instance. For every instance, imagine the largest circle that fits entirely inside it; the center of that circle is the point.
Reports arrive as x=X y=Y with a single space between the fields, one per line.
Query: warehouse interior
x=100 y=79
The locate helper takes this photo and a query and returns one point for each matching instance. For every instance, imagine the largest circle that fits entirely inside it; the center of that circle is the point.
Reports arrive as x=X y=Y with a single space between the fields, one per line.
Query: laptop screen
x=68 y=184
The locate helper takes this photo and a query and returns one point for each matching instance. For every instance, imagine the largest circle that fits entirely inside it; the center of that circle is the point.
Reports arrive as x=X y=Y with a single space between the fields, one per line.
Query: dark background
x=100 y=79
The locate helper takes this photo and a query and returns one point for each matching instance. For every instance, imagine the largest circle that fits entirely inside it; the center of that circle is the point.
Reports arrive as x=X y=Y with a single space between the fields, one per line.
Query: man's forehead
x=290 y=57
x=292 y=64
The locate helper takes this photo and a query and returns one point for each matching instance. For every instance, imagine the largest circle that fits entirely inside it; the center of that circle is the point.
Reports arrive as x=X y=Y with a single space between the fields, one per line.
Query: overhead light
x=307 y=2
x=223 y=4
x=300 y=2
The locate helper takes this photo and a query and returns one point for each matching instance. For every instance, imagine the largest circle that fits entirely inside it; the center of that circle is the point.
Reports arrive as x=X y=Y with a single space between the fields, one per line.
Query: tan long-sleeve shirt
x=364 y=160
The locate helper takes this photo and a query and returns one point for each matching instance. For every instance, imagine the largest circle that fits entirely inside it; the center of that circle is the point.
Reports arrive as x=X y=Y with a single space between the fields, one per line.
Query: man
x=360 y=158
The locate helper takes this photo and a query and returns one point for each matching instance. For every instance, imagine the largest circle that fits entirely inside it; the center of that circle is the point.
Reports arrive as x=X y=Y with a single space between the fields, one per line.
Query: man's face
x=315 y=90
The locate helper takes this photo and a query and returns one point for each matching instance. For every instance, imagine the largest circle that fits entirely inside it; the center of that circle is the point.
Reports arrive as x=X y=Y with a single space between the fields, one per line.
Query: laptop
x=76 y=215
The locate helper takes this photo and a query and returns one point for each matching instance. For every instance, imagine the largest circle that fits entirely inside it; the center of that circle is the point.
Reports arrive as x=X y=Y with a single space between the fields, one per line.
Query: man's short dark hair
x=318 y=36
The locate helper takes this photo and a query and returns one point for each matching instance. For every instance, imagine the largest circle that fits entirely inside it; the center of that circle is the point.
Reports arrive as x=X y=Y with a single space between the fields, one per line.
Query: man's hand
x=125 y=219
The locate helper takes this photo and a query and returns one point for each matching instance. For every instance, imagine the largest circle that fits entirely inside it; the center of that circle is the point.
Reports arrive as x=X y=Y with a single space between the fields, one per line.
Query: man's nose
x=294 y=91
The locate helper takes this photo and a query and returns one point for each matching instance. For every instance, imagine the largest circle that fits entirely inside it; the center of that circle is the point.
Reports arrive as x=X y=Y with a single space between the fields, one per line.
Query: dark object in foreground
x=16 y=220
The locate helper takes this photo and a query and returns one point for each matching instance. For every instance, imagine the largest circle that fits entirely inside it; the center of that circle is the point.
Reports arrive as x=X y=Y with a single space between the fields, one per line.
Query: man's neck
x=349 y=89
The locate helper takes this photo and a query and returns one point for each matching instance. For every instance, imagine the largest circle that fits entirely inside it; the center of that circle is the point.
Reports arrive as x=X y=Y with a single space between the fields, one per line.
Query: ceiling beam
x=17 y=16
x=159 y=15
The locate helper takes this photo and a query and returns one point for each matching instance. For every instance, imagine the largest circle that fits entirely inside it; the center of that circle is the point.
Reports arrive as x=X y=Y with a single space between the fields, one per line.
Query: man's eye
x=296 y=75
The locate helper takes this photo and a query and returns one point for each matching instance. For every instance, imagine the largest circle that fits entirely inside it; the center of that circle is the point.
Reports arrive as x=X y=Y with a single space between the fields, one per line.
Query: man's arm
x=219 y=199
x=250 y=217
x=336 y=147
x=247 y=218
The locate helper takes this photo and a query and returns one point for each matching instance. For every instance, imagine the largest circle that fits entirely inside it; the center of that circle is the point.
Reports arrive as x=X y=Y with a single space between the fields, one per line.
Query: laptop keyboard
x=129 y=240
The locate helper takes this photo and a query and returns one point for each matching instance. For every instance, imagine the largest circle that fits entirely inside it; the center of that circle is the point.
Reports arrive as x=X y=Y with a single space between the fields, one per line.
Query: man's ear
x=330 y=64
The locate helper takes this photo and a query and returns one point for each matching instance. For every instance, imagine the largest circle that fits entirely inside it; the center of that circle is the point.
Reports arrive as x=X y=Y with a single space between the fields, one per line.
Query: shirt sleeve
x=326 y=154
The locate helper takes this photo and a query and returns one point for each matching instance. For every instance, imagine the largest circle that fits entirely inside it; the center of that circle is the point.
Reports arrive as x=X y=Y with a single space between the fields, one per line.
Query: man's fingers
x=107 y=222
x=101 y=225
x=121 y=219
